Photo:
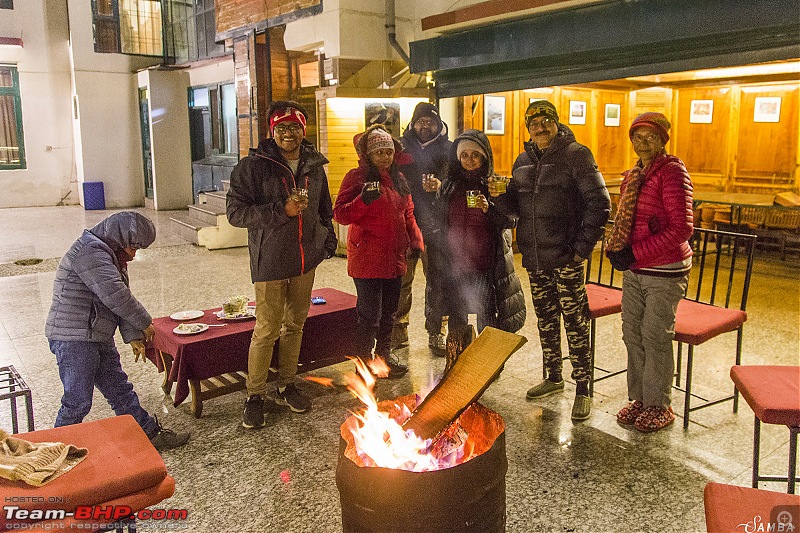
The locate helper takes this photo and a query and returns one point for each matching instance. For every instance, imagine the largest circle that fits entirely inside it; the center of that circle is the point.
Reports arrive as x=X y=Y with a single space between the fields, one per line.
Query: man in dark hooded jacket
x=91 y=298
x=563 y=206
x=280 y=194
x=425 y=139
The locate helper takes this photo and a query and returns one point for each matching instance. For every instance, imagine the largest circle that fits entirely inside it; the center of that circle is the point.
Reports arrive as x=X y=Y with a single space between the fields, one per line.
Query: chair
x=13 y=386
x=714 y=304
x=604 y=293
x=773 y=393
x=730 y=508
x=121 y=469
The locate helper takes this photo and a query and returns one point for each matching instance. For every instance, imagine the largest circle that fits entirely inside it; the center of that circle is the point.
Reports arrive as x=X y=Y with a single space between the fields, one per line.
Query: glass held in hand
x=472 y=198
x=429 y=182
x=372 y=186
x=498 y=185
x=300 y=196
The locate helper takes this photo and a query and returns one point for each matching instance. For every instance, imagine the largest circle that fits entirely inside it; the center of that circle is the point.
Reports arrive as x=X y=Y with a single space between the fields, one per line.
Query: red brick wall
x=232 y=14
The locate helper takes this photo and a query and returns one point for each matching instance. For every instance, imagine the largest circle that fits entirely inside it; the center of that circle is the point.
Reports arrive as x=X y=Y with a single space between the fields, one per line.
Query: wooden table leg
x=166 y=360
x=197 y=397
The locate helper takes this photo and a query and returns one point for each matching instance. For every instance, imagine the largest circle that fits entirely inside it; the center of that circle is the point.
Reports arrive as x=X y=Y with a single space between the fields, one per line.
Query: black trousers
x=375 y=308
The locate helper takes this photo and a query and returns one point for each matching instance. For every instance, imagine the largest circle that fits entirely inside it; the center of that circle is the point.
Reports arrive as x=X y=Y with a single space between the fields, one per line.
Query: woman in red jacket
x=649 y=242
x=375 y=201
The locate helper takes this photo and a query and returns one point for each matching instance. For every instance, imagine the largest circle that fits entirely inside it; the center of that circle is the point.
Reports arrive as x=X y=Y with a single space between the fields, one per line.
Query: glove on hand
x=622 y=259
x=414 y=253
x=369 y=195
x=138 y=350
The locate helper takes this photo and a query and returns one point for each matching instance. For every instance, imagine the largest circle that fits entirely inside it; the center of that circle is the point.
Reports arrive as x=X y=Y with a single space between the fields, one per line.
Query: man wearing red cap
x=649 y=242
x=280 y=194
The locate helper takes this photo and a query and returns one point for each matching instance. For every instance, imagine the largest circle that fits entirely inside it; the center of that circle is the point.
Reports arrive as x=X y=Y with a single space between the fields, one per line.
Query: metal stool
x=11 y=386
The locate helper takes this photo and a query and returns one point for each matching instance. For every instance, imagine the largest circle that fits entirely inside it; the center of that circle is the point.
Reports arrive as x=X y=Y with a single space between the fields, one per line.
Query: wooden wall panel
x=612 y=147
x=704 y=148
x=583 y=132
x=767 y=151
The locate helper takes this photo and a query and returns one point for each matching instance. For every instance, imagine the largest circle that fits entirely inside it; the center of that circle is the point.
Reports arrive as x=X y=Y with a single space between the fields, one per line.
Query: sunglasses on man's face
x=543 y=123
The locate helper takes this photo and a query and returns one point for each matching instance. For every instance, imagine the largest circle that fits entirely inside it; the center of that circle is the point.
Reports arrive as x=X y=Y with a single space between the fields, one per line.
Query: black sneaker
x=166 y=439
x=253 y=412
x=396 y=368
x=296 y=400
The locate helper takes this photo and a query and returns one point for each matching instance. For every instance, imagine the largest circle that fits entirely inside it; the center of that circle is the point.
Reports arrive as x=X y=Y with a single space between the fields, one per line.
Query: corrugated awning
x=610 y=41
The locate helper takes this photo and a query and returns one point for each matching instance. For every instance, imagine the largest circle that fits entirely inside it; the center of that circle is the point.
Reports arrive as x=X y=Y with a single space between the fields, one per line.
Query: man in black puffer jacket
x=563 y=206
x=425 y=139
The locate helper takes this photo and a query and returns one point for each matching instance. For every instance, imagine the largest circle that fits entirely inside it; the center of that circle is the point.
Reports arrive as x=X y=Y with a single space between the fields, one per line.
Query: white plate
x=190 y=329
x=249 y=314
x=186 y=315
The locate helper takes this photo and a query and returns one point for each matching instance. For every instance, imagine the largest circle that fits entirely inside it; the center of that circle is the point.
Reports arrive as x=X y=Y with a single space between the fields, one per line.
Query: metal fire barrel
x=469 y=497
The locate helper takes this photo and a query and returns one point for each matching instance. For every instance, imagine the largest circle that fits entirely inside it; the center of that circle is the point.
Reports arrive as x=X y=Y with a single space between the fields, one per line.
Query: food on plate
x=190 y=328
x=235 y=305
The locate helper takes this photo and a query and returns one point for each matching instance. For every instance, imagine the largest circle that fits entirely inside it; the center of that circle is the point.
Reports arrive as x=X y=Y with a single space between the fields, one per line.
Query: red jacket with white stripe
x=663 y=222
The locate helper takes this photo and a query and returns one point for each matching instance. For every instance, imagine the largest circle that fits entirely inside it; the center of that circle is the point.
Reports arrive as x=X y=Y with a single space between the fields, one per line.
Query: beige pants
x=281 y=311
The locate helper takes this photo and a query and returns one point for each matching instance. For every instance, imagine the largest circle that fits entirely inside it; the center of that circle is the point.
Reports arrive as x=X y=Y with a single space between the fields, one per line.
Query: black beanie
x=425 y=109
x=540 y=108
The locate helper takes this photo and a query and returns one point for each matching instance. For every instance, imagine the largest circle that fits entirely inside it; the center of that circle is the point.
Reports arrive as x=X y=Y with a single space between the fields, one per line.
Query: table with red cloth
x=214 y=362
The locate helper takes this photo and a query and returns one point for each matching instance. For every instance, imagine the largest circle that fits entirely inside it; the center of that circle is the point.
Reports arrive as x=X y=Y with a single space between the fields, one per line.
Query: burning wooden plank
x=465 y=382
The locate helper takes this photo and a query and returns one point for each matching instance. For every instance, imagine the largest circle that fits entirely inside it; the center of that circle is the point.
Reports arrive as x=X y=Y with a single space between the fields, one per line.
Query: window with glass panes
x=12 y=147
x=190 y=30
x=218 y=104
x=128 y=27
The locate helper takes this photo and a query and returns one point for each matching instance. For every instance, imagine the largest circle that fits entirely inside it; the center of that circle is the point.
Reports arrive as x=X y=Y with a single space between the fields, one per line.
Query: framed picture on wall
x=701 y=111
x=494 y=114
x=768 y=109
x=612 y=115
x=386 y=113
x=577 y=112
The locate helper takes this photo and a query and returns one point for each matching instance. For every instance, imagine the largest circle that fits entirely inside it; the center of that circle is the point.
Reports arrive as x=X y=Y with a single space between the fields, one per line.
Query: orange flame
x=379 y=437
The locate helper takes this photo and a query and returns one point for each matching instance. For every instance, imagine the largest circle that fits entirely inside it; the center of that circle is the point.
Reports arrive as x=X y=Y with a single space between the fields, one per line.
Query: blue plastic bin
x=94 y=196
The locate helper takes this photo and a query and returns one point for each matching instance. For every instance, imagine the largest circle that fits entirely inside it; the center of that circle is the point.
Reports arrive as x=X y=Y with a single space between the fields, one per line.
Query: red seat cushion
x=696 y=322
x=772 y=392
x=121 y=462
x=730 y=508
x=603 y=300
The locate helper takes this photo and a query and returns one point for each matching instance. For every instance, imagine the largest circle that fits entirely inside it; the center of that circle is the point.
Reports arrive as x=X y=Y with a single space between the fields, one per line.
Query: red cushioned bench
x=739 y=509
x=122 y=468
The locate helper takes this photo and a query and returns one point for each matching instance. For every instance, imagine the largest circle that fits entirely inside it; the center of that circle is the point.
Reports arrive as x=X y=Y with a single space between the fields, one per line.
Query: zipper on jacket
x=299 y=215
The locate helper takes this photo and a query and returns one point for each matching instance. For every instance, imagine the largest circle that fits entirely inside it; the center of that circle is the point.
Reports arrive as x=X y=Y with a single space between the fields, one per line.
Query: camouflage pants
x=556 y=293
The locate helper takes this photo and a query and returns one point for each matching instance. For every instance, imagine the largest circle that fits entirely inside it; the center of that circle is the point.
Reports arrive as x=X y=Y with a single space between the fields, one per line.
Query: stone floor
x=592 y=476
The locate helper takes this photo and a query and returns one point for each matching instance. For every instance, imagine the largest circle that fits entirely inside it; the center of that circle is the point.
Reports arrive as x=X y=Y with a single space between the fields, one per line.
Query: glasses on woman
x=638 y=138
x=291 y=128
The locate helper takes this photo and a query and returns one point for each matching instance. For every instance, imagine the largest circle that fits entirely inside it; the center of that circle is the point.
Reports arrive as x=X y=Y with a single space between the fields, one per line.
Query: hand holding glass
x=472 y=198
x=497 y=185
x=300 y=197
x=430 y=183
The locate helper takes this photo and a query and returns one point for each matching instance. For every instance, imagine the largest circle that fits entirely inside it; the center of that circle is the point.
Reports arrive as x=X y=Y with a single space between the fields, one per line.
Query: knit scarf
x=626 y=210
x=36 y=463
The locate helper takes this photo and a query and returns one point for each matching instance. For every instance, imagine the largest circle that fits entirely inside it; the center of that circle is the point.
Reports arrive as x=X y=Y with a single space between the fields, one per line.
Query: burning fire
x=378 y=435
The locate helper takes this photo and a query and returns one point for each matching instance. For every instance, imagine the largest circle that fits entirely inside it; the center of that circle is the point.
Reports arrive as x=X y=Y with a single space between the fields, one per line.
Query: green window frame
x=12 y=140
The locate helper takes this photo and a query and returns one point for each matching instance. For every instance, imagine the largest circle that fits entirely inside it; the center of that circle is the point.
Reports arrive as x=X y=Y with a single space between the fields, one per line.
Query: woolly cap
x=469 y=144
x=425 y=109
x=379 y=139
x=540 y=108
x=657 y=121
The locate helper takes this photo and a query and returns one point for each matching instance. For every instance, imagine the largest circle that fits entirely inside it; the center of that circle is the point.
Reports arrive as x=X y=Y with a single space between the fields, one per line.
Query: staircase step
x=186 y=226
x=206 y=213
x=215 y=199
x=212 y=236
x=226 y=184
